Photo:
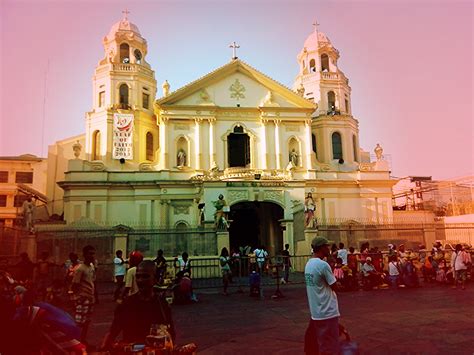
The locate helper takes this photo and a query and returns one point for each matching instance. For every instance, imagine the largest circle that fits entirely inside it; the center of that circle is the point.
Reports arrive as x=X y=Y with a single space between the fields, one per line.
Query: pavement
x=426 y=320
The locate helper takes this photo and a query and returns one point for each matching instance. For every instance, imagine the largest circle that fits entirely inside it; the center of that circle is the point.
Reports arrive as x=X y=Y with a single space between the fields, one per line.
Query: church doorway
x=256 y=223
x=238 y=148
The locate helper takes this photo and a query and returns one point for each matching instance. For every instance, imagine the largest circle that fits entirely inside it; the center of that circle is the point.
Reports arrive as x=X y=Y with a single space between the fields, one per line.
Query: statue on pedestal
x=220 y=219
x=181 y=157
x=293 y=158
x=378 y=152
x=309 y=209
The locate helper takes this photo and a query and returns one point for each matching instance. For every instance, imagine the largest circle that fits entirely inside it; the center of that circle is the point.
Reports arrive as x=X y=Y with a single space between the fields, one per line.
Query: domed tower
x=120 y=128
x=335 y=131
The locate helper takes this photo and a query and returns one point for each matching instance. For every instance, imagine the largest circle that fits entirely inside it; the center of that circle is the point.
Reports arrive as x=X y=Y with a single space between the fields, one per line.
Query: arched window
x=331 y=101
x=312 y=65
x=149 y=147
x=138 y=56
x=95 y=145
x=354 y=147
x=313 y=144
x=336 y=146
x=324 y=62
x=124 y=53
x=124 y=94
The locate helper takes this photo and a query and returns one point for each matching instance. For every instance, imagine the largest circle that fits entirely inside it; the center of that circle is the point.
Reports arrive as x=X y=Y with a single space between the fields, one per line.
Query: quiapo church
x=234 y=156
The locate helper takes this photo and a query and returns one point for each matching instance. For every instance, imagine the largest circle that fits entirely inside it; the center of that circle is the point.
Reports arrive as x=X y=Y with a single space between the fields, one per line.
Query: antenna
x=44 y=108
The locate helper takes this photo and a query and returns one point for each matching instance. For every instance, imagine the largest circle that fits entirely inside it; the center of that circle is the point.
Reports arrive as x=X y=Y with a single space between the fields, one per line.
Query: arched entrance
x=255 y=223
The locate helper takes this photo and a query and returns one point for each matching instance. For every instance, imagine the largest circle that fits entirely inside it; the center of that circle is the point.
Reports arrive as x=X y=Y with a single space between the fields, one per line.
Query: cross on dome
x=315 y=25
x=234 y=47
x=125 y=13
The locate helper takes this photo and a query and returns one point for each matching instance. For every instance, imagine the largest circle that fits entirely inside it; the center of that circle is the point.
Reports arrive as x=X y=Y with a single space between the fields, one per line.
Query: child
x=338 y=272
x=441 y=272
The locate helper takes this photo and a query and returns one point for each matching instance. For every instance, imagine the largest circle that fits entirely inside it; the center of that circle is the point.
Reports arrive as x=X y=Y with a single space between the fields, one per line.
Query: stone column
x=277 y=144
x=263 y=152
x=212 y=148
x=309 y=164
x=164 y=159
x=197 y=142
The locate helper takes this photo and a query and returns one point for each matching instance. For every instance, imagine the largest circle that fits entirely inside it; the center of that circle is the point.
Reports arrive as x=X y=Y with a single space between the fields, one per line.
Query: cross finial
x=315 y=25
x=234 y=47
x=125 y=13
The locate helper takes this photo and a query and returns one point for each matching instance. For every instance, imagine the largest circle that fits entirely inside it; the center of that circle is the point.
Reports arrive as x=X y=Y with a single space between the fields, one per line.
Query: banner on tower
x=123 y=136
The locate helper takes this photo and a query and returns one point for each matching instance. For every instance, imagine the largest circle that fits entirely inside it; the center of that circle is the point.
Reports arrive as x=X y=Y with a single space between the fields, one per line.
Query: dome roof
x=311 y=42
x=123 y=25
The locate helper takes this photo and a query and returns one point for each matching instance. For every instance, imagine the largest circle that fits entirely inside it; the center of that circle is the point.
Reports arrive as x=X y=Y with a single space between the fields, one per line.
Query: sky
x=409 y=63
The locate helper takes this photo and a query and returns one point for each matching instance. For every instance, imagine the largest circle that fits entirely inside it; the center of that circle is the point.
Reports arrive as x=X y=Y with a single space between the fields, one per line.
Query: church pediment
x=236 y=84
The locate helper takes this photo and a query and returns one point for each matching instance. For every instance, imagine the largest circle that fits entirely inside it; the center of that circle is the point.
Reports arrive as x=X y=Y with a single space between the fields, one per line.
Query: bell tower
x=123 y=85
x=335 y=132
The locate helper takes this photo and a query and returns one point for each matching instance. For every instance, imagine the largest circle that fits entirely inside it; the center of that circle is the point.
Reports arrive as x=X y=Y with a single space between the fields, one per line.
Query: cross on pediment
x=234 y=47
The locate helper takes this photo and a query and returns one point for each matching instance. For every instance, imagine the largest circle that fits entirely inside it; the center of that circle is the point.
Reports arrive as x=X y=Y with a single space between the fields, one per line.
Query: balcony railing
x=132 y=68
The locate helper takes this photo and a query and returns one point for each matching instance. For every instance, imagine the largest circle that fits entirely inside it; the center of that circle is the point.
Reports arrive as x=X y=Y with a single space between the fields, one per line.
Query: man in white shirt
x=460 y=260
x=119 y=273
x=322 y=334
x=342 y=253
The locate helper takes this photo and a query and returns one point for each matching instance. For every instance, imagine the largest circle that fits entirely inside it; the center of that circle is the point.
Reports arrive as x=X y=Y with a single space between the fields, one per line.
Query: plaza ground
x=428 y=320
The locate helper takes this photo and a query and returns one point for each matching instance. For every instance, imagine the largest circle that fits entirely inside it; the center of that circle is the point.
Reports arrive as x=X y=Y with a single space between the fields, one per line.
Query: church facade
x=280 y=159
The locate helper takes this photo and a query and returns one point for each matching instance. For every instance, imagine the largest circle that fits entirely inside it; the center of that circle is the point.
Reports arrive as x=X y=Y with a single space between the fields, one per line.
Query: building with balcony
x=20 y=177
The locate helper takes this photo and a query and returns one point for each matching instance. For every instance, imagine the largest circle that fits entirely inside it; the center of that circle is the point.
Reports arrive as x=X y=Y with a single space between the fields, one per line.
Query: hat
x=368 y=258
x=390 y=246
x=319 y=242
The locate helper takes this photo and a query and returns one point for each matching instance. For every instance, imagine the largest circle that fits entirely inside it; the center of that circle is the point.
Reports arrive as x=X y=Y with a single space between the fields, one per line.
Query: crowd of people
x=398 y=267
x=142 y=314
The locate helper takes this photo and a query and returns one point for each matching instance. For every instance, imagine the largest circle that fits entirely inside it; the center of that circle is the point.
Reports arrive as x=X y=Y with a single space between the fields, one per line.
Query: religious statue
x=77 y=147
x=28 y=208
x=378 y=151
x=181 y=157
x=294 y=157
x=309 y=209
x=111 y=55
x=300 y=90
x=166 y=88
x=220 y=214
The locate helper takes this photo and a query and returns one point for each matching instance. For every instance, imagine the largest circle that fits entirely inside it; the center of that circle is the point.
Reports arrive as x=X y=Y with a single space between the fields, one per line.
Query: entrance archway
x=256 y=223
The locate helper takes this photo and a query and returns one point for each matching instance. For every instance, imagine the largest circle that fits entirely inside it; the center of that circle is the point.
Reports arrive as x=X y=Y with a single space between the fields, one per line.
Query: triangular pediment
x=236 y=84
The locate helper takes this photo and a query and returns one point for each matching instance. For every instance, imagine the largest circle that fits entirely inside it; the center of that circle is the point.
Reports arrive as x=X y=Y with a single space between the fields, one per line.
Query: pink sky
x=409 y=65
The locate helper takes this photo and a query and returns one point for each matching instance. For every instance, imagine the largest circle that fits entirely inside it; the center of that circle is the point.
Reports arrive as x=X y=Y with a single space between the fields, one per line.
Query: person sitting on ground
x=183 y=263
x=338 y=272
x=183 y=289
x=139 y=312
x=372 y=278
x=353 y=261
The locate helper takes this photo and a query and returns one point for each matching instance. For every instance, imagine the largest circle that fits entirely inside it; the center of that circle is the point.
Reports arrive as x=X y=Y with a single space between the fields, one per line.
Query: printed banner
x=123 y=136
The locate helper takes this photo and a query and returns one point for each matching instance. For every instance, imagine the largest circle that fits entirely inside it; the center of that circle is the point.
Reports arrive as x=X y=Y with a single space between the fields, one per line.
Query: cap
x=319 y=241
